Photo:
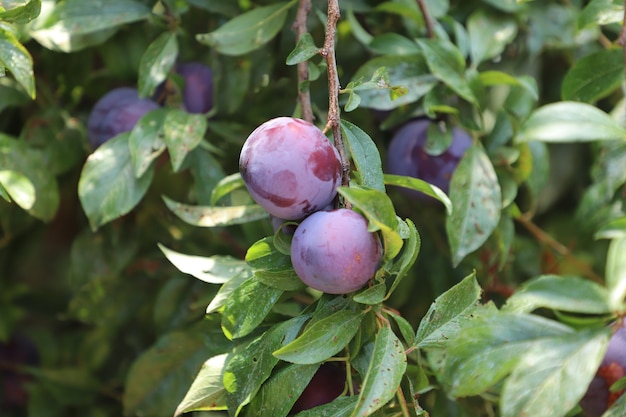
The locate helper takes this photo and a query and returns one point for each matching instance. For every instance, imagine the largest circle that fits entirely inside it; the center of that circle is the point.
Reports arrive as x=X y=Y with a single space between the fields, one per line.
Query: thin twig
x=304 y=96
x=328 y=52
x=428 y=20
x=558 y=247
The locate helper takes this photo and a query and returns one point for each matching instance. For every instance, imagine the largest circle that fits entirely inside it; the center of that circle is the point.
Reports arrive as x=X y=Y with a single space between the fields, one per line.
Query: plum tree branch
x=558 y=247
x=304 y=95
x=428 y=20
x=328 y=52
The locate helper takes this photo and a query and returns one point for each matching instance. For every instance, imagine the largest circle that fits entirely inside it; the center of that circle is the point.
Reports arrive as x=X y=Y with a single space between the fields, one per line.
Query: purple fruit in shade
x=198 y=91
x=598 y=397
x=334 y=252
x=290 y=168
x=116 y=112
x=327 y=384
x=406 y=154
x=18 y=351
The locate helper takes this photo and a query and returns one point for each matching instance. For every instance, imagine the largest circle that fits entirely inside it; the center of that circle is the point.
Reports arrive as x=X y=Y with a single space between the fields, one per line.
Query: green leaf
x=247 y=368
x=108 y=187
x=227 y=185
x=247 y=306
x=287 y=384
x=421 y=186
x=595 y=76
x=214 y=270
x=372 y=295
x=182 y=133
x=393 y=44
x=409 y=71
x=145 y=142
x=223 y=294
x=353 y=102
x=19 y=188
x=378 y=209
x=305 y=49
x=159 y=378
x=365 y=155
x=475 y=193
x=407 y=258
x=542 y=384
x=156 y=62
x=387 y=366
x=447 y=314
x=272 y=267
x=20 y=163
x=618 y=409
x=615 y=228
x=616 y=273
x=15 y=57
x=323 y=339
x=601 y=12
x=489 y=34
x=564 y=293
x=23 y=13
x=207 y=390
x=248 y=31
x=74 y=17
x=207 y=216
x=569 y=121
x=506 y=5
x=497 y=342
x=447 y=64
x=340 y=407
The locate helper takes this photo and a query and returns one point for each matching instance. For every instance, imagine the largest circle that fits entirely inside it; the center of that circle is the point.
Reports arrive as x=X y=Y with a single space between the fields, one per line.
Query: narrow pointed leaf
x=214 y=269
x=475 y=193
x=207 y=390
x=323 y=339
x=207 y=216
x=384 y=374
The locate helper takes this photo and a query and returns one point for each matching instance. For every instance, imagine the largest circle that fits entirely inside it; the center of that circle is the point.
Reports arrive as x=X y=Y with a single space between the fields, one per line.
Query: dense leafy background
x=145 y=280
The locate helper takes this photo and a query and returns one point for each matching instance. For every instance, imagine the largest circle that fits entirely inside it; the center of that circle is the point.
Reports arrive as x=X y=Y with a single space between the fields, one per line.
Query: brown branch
x=558 y=247
x=328 y=52
x=428 y=20
x=304 y=96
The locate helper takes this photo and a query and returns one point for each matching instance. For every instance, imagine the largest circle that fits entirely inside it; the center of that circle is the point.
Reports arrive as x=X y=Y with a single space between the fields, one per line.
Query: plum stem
x=428 y=20
x=304 y=95
x=328 y=52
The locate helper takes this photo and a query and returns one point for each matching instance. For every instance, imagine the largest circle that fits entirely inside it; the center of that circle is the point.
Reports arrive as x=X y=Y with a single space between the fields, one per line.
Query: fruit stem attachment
x=328 y=52
x=428 y=20
x=304 y=95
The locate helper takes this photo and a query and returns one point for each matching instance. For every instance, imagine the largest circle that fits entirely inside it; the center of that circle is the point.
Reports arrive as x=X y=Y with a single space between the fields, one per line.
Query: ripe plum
x=406 y=154
x=117 y=111
x=290 y=168
x=327 y=384
x=198 y=90
x=332 y=251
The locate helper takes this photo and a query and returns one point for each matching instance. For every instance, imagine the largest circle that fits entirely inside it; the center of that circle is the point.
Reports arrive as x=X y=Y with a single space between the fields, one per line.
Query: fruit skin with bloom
x=290 y=168
x=334 y=252
x=406 y=155
x=598 y=397
x=327 y=384
x=116 y=112
x=198 y=91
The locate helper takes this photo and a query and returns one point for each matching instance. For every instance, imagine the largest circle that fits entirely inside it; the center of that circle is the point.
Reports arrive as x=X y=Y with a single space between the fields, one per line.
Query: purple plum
x=406 y=154
x=334 y=252
x=290 y=168
x=327 y=384
x=116 y=112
